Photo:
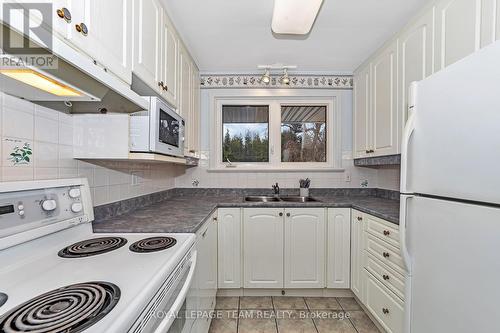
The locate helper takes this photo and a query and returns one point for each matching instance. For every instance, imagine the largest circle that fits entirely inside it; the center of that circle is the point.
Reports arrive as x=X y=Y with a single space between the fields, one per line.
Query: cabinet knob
x=192 y=151
x=165 y=87
x=371 y=151
x=288 y=214
x=215 y=218
x=387 y=232
x=64 y=13
x=280 y=214
x=82 y=28
x=385 y=310
x=367 y=151
x=160 y=84
x=386 y=254
x=360 y=218
x=385 y=277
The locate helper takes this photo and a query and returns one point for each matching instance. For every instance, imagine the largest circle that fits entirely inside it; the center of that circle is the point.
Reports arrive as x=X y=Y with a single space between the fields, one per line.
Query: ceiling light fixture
x=266 y=78
x=285 y=79
x=294 y=17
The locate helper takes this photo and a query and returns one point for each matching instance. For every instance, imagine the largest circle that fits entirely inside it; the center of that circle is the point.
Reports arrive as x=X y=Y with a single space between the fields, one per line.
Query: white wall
x=389 y=179
x=50 y=135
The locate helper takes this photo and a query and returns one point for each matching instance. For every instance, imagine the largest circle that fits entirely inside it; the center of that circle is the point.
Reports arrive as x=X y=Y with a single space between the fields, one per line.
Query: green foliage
x=21 y=155
x=248 y=148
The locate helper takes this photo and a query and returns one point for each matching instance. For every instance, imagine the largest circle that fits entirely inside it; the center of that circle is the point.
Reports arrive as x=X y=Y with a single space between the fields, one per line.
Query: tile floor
x=249 y=314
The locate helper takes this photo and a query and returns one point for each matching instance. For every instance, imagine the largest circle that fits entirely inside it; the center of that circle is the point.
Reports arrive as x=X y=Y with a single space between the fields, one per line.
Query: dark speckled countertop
x=186 y=214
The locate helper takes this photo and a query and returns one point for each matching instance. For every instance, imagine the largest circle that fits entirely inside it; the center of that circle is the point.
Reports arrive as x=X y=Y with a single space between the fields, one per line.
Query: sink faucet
x=276 y=189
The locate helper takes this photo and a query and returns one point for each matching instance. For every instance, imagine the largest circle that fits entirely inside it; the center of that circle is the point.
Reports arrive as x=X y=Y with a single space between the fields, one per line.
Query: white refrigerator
x=450 y=199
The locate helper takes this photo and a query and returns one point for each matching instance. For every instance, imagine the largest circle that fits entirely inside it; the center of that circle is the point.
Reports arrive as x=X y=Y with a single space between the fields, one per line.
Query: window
x=274 y=130
x=303 y=133
x=246 y=133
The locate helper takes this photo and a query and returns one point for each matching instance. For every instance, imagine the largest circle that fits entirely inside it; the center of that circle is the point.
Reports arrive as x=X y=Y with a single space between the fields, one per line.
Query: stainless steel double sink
x=258 y=198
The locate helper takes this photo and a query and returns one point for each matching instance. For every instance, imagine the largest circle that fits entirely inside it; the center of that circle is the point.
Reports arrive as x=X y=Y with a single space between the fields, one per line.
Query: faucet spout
x=276 y=189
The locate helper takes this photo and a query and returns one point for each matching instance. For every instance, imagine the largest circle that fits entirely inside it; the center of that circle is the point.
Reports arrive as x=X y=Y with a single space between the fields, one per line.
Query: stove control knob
x=76 y=207
x=74 y=193
x=20 y=207
x=21 y=213
x=49 y=205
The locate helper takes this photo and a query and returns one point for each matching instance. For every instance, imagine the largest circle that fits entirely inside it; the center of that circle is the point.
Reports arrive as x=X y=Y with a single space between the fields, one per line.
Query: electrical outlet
x=136 y=177
x=347 y=177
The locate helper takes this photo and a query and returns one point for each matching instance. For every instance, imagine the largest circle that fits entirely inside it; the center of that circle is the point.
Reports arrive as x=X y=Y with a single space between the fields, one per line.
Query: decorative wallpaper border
x=296 y=81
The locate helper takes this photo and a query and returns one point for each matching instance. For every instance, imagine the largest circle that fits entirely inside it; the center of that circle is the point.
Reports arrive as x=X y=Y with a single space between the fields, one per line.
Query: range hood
x=75 y=85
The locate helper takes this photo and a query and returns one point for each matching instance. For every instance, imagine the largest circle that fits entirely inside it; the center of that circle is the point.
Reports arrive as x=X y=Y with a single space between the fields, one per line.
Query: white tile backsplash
x=50 y=135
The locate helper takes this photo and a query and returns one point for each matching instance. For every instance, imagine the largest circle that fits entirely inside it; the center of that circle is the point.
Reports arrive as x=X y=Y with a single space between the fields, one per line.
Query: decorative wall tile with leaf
x=19 y=152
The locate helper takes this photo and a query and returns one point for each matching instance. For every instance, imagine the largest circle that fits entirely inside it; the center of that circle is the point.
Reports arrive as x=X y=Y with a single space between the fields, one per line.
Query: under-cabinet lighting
x=294 y=16
x=41 y=81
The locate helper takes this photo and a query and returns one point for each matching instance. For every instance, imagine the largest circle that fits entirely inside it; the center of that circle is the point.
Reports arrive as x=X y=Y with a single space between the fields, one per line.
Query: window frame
x=275 y=99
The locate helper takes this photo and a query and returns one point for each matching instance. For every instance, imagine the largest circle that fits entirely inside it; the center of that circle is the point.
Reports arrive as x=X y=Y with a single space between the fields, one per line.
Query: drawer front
x=389 y=277
x=387 y=231
x=386 y=253
x=384 y=305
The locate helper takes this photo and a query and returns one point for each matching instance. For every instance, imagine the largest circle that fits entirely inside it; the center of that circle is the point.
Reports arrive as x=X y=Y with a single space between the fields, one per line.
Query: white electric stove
x=56 y=275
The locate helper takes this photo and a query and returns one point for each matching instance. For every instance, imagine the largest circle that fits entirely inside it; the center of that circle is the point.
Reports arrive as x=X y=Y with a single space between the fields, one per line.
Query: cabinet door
x=384 y=102
x=229 y=248
x=263 y=247
x=415 y=60
x=357 y=249
x=185 y=97
x=109 y=37
x=339 y=248
x=147 y=41
x=489 y=21
x=361 y=112
x=457 y=30
x=305 y=248
x=170 y=61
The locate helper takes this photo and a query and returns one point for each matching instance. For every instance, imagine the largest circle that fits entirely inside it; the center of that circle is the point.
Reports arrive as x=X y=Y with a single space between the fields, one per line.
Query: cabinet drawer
x=386 y=253
x=389 y=277
x=384 y=305
x=384 y=230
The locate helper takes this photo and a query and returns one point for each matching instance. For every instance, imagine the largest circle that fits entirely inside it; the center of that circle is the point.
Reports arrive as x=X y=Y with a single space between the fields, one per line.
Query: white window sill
x=247 y=169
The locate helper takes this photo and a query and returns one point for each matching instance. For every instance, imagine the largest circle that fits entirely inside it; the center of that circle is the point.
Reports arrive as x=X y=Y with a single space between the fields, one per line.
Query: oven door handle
x=176 y=306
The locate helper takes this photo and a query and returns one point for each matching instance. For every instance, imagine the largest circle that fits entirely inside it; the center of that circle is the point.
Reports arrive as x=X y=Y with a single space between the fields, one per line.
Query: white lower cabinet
x=305 y=247
x=263 y=247
x=204 y=289
x=229 y=248
x=377 y=269
x=338 y=248
x=358 y=276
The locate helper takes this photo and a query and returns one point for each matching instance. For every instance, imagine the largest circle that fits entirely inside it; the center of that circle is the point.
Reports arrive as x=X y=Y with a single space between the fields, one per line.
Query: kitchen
x=249 y=166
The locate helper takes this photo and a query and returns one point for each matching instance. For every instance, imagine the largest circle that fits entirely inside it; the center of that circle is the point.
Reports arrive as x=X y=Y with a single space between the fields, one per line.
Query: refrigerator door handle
x=402 y=232
x=405 y=140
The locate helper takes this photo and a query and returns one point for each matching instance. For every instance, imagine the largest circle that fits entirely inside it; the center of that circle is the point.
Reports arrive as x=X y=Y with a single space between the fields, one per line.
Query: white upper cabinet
x=229 y=248
x=305 y=248
x=263 y=247
x=362 y=112
x=194 y=140
x=457 y=30
x=384 y=99
x=497 y=20
x=147 y=42
x=339 y=248
x=170 y=63
x=415 y=60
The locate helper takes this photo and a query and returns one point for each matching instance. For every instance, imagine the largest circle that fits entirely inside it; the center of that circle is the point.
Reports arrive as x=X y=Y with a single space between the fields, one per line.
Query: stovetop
x=35 y=268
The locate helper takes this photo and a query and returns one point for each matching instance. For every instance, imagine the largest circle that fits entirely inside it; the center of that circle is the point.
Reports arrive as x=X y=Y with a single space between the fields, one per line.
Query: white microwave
x=157 y=130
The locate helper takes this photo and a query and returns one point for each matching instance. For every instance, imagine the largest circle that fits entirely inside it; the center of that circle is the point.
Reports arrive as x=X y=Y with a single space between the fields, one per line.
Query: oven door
x=167 y=311
x=166 y=129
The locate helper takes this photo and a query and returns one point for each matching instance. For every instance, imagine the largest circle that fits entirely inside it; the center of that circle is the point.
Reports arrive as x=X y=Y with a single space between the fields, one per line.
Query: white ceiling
x=235 y=36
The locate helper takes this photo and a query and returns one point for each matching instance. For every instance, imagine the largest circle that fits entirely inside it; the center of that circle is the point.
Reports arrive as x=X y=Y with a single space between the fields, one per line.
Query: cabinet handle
x=371 y=151
x=367 y=151
x=192 y=151
x=280 y=214
x=385 y=310
x=165 y=88
x=82 y=28
x=386 y=254
x=214 y=218
x=385 y=277
x=360 y=218
x=387 y=232
x=65 y=14
x=288 y=214
x=160 y=84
